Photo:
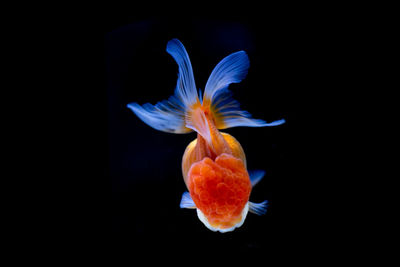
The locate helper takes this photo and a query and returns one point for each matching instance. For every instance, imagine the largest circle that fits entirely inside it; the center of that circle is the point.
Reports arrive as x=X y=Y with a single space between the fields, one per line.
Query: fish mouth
x=214 y=228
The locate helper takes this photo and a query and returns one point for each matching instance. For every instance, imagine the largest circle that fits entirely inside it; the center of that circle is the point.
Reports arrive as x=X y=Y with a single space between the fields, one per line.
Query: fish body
x=214 y=165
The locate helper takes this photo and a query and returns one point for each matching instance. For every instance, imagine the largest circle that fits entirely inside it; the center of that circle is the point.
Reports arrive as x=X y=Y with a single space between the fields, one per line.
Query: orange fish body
x=216 y=177
x=214 y=164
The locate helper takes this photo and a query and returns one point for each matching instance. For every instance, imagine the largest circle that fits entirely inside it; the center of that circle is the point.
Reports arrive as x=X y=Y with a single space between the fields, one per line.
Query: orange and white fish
x=214 y=164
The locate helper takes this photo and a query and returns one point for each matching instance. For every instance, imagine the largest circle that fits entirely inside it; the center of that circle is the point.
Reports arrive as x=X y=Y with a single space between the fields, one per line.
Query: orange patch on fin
x=197 y=120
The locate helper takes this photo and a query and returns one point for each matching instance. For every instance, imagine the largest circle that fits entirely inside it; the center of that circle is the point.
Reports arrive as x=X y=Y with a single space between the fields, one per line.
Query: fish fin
x=228 y=113
x=226 y=110
x=258 y=208
x=187 y=201
x=231 y=69
x=197 y=121
x=169 y=115
x=185 y=87
x=256 y=176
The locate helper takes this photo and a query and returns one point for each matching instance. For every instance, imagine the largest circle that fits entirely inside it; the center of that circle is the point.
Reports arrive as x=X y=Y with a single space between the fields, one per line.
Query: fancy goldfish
x=214 y=164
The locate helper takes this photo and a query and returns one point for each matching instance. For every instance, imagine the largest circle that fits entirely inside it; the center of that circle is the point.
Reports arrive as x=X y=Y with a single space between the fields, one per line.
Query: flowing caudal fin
x=226 y=110
x=169 y=115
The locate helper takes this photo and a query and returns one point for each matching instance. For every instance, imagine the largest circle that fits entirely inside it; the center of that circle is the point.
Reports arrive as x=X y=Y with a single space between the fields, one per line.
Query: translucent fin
x=228 y=114
x=187 y=202
x=226 y=110
x=248 y=122
x=232 y=69
x=169 y=115
x=256 y=176
x=258 y=208
x=196 y=120
x=185 y=88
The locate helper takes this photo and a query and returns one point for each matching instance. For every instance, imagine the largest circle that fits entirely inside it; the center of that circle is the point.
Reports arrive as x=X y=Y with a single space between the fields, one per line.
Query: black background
x=99 y=183
x=125 y=177
x=144 y=164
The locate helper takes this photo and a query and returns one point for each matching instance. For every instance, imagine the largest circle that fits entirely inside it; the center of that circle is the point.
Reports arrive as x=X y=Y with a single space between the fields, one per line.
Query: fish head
x=220 y=189
x=198 y=150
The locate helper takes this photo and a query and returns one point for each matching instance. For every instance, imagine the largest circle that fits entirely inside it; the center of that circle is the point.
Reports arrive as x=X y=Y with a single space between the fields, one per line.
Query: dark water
x=119 y=182
x=144 y=164
x=122 y=179
x=129 y=175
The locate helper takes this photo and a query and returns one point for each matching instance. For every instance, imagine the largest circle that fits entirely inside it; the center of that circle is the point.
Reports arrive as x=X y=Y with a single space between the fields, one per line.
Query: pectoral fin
x=187 y=201
x=258 y=208
x=256 y=176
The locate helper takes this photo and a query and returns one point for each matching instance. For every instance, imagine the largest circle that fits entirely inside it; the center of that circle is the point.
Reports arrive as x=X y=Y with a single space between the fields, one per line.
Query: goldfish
x=214 y=167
